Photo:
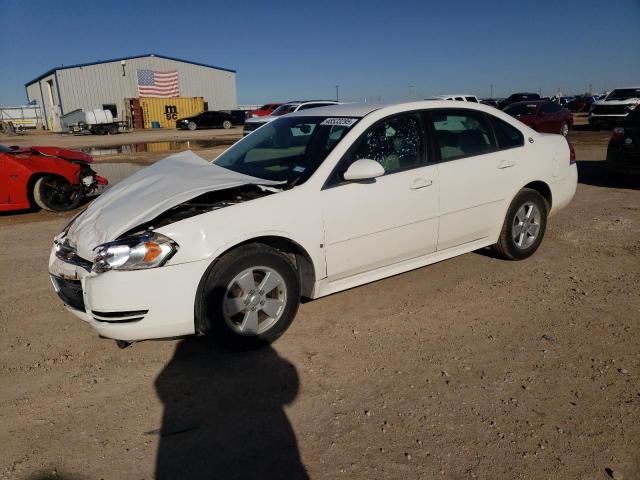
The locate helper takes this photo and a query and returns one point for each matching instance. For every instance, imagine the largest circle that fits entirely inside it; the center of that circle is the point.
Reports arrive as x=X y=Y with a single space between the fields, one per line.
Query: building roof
x=53 y=70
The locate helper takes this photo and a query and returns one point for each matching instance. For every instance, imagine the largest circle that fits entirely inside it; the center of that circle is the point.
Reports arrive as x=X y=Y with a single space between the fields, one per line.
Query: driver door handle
x=506 y=164
x=421 y=183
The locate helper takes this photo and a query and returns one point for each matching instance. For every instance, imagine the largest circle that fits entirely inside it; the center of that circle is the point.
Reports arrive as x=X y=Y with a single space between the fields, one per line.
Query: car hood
x=148 y=193
x=618 y=102
x=71 y=155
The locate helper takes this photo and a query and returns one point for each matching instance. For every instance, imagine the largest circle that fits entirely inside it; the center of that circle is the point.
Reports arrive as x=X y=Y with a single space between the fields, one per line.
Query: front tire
x=226 y=124
x=192 y=126
x=56 y=194
x=250 y=296
x=524 y=226
x=564 y=129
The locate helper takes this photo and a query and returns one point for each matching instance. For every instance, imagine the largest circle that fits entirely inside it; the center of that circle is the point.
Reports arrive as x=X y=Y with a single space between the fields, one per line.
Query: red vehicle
x=264 y=110
x=51 y=178
x=543 y=116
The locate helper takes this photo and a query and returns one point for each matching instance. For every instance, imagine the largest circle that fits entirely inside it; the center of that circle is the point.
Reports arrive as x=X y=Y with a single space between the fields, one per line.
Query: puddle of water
x=116 y=172
x=169 y=146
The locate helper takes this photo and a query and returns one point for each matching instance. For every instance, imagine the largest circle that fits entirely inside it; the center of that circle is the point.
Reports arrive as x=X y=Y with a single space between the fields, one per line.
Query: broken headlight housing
x=148 y=250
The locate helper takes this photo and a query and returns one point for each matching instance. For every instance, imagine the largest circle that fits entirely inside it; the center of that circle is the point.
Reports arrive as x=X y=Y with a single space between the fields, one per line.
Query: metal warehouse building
x=106 y=85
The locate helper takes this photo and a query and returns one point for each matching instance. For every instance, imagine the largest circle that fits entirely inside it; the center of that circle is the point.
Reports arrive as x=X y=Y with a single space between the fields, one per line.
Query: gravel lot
x=470 y=368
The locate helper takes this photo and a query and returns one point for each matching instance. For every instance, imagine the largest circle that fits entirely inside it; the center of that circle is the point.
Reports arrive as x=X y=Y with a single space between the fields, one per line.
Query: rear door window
x=462 y=133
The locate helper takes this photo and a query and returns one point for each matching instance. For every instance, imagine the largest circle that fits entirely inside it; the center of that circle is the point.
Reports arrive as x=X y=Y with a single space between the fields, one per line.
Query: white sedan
x=311 y=204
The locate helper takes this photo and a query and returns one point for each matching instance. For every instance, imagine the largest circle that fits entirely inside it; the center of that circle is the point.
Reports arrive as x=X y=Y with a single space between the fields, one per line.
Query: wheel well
x=543 y=189
x=298 y=255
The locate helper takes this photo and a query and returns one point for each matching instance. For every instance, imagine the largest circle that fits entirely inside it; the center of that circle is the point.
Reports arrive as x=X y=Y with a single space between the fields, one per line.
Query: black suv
x=517 y=97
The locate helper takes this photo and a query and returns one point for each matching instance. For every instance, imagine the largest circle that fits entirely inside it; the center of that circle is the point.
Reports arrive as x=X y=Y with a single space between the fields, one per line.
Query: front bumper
x=131 y=305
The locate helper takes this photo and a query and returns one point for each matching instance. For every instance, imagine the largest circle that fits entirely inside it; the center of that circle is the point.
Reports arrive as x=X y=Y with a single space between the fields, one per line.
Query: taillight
x=572 y=153
x=618 y=133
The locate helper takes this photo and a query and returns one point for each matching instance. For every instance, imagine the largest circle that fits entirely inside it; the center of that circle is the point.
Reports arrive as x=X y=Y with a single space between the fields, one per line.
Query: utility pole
x=337 y=93
x=491 y=95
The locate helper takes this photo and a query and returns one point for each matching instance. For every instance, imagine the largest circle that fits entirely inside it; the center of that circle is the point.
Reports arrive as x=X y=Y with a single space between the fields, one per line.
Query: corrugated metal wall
x=92 y=86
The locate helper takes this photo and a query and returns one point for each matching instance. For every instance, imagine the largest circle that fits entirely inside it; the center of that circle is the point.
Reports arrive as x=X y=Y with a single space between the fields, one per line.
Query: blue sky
x=372 y=49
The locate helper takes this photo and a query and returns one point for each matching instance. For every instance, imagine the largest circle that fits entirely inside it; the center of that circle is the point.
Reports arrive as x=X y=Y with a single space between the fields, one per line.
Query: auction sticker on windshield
x=343 y=122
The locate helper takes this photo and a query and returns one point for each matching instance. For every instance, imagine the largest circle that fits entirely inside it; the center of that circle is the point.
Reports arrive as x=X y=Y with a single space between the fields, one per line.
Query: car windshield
x=289 y=149
x=283 y=110
x=624 y=93
x=520 y=110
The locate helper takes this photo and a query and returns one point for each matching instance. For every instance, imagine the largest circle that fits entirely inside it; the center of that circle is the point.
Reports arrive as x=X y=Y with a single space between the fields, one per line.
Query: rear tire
x=56 y=194
x=192 y=126
x=249 y=297
x=524 y=226
x=564 y=129
x=226 y=124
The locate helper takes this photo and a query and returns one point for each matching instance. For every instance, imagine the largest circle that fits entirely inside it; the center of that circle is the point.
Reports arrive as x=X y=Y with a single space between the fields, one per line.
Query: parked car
x=263 y=111
x=254 y=123
x=614 y=107
x=543 y=116
x=623 y=152
x=457 y=97
x=517 y=97
x=492 y=102
x=315 y=202
x=206 y=120
x=51 y=178
x=581 y=103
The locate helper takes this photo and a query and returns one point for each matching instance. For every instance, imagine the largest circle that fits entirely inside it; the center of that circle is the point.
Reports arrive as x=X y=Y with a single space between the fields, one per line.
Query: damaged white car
x=311 y=204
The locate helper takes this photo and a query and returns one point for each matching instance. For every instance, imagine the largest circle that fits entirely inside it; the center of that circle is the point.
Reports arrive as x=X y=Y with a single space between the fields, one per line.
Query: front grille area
x=119 y=317
x=250 y=127
x=69 y=291
x=67 y=253
x=610 y=110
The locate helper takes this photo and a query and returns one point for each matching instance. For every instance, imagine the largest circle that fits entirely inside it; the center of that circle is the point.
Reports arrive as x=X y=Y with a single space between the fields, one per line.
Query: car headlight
x=148 y=250
x=632 y=106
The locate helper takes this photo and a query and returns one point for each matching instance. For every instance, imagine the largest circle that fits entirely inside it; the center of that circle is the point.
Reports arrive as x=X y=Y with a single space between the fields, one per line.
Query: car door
x=547 y=118
x=371 y=224
x=475 y=176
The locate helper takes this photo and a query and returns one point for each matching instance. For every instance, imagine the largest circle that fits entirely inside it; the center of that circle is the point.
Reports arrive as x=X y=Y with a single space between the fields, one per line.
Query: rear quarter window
x=507 y=135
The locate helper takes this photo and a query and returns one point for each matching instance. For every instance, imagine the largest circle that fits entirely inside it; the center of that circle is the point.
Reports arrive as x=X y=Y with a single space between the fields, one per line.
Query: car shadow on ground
x=223 y=414
x=597 y=174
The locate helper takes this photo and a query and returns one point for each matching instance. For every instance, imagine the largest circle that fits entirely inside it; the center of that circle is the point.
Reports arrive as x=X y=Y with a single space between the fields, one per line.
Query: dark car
x=492 y=102
x=206 y=120
x=581 y=104
x=623 y=152
x=542 y=115
x=517 y=97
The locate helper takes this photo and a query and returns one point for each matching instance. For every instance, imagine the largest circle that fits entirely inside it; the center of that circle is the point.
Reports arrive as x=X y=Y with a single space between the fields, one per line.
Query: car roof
x=300 y=102
x=359 y=110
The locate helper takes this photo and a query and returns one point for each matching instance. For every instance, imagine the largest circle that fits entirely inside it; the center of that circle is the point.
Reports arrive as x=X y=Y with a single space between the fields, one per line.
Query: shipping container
x=166 y=111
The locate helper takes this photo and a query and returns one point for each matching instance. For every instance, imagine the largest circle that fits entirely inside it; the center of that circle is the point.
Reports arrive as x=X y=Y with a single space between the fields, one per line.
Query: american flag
x=158 y=84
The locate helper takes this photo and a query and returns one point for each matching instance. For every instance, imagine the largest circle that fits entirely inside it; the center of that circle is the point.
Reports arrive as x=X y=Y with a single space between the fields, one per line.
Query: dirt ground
x=470 y=368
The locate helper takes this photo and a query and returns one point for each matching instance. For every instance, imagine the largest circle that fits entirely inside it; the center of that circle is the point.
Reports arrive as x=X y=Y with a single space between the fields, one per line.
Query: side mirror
x=363 y=169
